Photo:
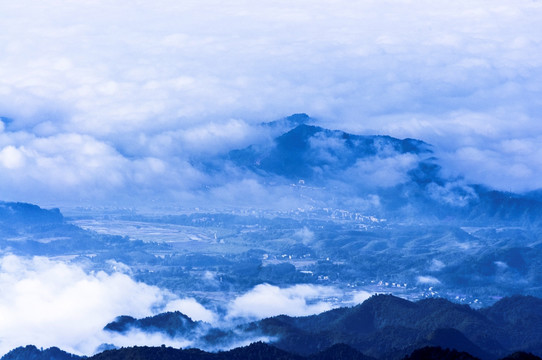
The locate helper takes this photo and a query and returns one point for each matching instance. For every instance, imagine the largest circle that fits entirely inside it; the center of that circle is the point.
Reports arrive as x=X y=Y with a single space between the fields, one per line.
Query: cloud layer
x=103 y=98
x=48 y=303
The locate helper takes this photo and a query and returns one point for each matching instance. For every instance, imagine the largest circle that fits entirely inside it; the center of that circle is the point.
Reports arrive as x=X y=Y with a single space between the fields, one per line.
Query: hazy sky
x=105 y=98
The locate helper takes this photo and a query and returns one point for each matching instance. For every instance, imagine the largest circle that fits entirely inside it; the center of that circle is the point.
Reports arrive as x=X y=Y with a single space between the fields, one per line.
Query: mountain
x=438 y=353
x=385 y=326
x=254 y=351
x=19 y=219
x=27 y=229
x=172 y=323
x=286 y=124
x=17 y=213
x=314 y=154
x=521 y=355
x=388 y=327
x=395 y=217
x=403 y=174
x=521 y=319
x=31 y=352
x=382 y=326
x=339 y=351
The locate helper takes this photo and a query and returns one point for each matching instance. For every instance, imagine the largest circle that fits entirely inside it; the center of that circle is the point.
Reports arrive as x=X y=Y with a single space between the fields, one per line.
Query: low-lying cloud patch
x=267 y=300
x=427 y=280
x=193 y=309
x=49 y=303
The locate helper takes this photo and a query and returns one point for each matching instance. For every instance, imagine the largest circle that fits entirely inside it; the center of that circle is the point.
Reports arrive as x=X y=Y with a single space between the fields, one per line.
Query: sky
x=110 y=100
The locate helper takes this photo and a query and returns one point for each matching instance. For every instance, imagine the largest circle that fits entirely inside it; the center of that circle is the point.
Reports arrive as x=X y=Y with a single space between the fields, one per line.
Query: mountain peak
x=313 y=153
x=288 y=122
x=169 y=322
x=300 y=118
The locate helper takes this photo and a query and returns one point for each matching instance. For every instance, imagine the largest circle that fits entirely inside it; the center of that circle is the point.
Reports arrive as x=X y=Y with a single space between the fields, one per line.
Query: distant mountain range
x=383 y=327
x=15 y=214
x=386 y=326
x=316 y=155
x=255 y=351
x=335 y=168
x=27 y=229
x=172 y=323
x=396 y=179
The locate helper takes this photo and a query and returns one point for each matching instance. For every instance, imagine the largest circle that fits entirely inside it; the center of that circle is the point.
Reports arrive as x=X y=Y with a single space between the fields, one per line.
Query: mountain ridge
x=389 y=327
x=254 y=351
x=306 y=150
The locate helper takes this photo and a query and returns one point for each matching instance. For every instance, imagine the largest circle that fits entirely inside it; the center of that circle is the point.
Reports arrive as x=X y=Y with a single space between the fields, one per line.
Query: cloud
x=436 y=265
x=192 y=309
x=252 y=191
x=305 y=235
x=360 y=296
x=427 y=280
x=12 y=158
x=140 y=338
x=147 y=84
x=50 y=303
x=79 y=168
x=509 y=164
x=212 y=138
x=267 y=300
x=374 y=172
x=454 y=193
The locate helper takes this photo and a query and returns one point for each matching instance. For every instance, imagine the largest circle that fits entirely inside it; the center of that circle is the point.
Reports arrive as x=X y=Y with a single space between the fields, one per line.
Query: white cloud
x=388 y=171
x=267 y=300
x=305 y=235
x=427 y=280
x=508 y=164
x=360 y=296
x=158 y=80
x=192 y=309
x=140 y=338
x=436 y=265
x=49 y=303
x=79 y=168
x=252 y=192
x=11 y=157
x=214 y=137
x=452 y=193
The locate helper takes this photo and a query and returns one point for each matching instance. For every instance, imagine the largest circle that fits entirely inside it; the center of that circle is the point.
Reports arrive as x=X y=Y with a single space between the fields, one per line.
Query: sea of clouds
x=106 y=100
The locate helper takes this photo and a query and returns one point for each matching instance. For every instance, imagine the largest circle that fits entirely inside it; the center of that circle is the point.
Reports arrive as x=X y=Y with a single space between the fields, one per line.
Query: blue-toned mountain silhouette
x=385 y=327
x=27 y=229
x=404 y=174
x=172 y=323
x=315 y=154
